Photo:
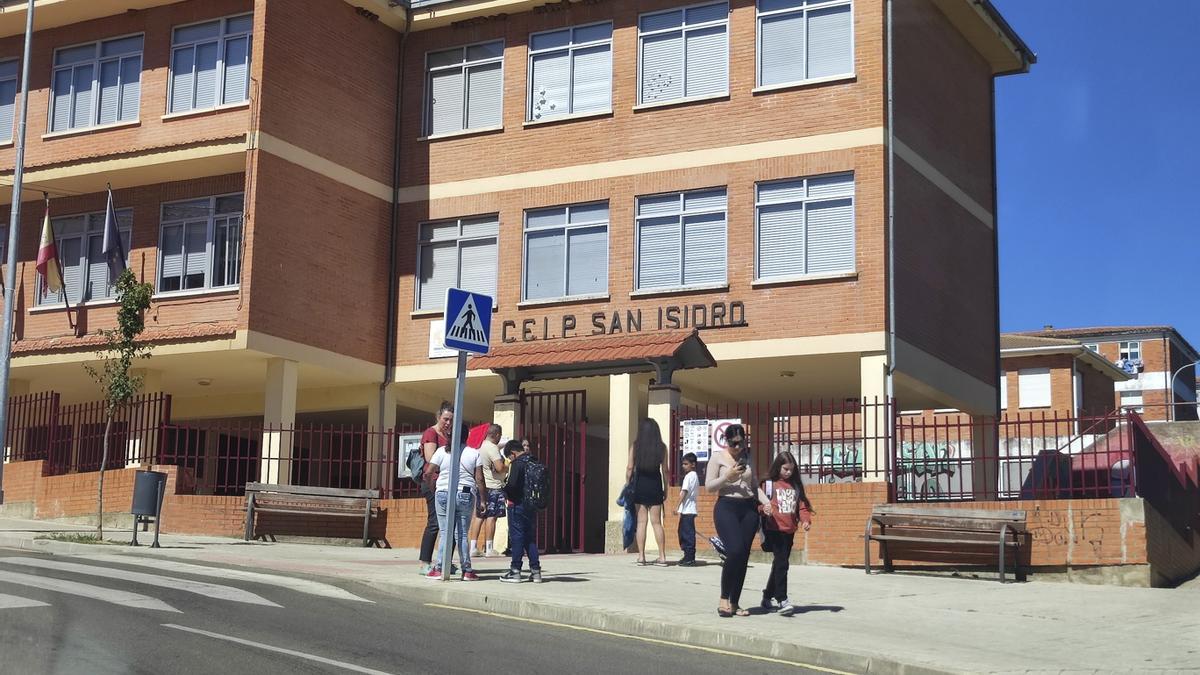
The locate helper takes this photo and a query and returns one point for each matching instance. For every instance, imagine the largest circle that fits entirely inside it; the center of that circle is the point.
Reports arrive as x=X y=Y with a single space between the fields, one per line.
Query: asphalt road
x=95 y=616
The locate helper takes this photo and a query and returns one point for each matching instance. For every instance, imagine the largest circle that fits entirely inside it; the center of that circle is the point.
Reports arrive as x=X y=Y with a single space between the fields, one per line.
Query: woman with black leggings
x=730 y=475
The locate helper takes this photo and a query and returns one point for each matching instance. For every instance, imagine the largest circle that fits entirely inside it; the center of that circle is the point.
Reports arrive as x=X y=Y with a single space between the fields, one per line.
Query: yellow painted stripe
x=842 y=140
x=318 y=164
x=943 y=183
x=710 y=650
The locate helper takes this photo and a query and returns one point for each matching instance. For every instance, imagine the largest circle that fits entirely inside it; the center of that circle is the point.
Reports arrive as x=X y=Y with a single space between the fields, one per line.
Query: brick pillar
x=279 y=412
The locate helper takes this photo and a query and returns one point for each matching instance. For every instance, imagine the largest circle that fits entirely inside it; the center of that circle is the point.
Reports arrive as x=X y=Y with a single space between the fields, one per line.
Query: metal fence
x=29 y=431
x=220 y=458
x=956 y=457
x=834 y=441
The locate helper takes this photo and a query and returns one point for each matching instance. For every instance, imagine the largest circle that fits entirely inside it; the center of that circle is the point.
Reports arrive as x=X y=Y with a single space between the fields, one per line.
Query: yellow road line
x=711 y=650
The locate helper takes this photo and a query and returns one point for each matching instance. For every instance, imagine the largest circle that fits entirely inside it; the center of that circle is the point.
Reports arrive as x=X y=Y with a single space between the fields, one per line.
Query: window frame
x=96 y=62
x=565 y=229
x=681 y=214
x=9 y=135
x=683 y=30
x=803 y=10
x=804 y=203
x=1139 y=407
x=458 y=240
x=85 y=240
x=224 y=37
x=210 y=231
x=1040 y=372
x=462 y=66
x=571 y=47
x=1126 y=350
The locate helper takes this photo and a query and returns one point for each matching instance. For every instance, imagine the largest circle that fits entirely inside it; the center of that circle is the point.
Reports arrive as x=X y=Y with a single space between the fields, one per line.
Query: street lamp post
x=14 y=232
x=1171 y=386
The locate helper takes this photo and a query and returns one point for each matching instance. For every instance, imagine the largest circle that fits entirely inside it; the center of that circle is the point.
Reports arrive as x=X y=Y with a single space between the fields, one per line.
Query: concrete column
x=622 y=429
x=876 y=420
x=663 y=402
x=506 y=411
x=279 y=412
x=381 y=418
x=985 y=457
x=141 y=447
x=17 y=438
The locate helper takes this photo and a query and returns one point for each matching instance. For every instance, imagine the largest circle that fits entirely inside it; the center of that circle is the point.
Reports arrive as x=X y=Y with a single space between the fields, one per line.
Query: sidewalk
x=899 y=623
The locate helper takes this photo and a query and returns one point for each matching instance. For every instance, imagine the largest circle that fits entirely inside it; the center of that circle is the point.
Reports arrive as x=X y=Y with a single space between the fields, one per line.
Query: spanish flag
x=47 y=259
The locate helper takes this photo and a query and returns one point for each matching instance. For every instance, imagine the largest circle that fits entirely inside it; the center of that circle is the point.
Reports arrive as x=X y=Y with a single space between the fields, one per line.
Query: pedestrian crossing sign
x=468 y=321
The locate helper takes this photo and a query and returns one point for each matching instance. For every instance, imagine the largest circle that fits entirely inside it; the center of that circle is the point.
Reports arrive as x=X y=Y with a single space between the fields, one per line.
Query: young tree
x=121 y=348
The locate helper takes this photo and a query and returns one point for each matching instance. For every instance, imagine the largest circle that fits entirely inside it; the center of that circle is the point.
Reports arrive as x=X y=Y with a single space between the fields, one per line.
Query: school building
x=684 y=210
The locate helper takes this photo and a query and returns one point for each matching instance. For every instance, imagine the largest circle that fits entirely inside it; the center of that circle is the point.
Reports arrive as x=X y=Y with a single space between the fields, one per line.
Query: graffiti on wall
x=933 y=469
x=829 y=462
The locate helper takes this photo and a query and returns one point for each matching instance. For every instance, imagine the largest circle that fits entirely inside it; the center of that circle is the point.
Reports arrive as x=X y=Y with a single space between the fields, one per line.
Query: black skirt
x=648 y=488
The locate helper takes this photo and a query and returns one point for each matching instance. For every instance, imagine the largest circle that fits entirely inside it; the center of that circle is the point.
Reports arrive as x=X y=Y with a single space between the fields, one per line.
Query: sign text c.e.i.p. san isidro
x=619 y=322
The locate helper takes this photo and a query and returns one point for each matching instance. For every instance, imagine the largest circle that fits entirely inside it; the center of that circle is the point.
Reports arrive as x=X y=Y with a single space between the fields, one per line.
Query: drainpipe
x=889 y=385
x=996 y=242
x=389 y=357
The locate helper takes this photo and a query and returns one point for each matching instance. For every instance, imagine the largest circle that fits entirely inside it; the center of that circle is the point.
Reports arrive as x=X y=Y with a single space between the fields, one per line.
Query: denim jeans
x=522 y=530
x=463 y=510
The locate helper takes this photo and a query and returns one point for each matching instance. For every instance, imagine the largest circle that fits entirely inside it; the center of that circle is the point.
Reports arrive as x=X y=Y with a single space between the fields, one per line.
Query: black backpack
x=537 y=485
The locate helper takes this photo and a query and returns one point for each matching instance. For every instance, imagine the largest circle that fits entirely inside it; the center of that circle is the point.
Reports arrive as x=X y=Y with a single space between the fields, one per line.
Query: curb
x=578 y=616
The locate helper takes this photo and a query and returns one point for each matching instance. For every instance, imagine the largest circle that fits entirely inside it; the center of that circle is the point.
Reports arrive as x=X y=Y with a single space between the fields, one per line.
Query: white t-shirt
x=466 y=475
x=691 y=484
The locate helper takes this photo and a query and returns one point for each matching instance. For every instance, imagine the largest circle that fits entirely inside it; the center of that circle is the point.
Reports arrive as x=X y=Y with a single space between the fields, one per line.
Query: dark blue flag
x=114 y=250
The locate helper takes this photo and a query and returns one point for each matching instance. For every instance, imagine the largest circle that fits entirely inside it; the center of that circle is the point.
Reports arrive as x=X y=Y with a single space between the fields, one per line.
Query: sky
x=1098 y=159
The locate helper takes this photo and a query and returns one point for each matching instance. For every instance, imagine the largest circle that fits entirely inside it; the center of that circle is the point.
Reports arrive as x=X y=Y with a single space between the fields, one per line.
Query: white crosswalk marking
x=14 y=602
x=298 y=585
x=215 y=591
x=123 y=598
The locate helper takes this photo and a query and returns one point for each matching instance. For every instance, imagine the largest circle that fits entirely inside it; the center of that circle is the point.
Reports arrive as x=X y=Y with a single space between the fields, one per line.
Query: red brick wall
x=1062 y=394
x=319 y=264
x=146 y=203
x=1097 y=392
x=628 y=133
x=329 y=83
x=152 y=131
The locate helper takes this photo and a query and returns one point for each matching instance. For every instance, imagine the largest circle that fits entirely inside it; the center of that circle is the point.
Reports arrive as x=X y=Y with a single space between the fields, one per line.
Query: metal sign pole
x=14 y=232
x=456 y=441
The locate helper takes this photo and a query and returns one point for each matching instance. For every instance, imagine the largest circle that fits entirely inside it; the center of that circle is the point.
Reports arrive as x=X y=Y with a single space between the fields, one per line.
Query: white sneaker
x=425 y=569
x=786 y=608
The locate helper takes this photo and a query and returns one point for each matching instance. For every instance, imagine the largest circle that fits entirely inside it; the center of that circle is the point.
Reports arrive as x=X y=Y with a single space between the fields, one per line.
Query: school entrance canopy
x=661 y=353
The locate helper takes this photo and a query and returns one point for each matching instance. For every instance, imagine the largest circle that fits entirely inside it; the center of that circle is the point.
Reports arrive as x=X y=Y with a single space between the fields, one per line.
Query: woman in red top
x=788 y=510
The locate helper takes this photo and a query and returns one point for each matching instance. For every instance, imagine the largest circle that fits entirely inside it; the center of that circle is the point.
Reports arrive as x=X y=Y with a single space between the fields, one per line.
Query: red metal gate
x=556 y=425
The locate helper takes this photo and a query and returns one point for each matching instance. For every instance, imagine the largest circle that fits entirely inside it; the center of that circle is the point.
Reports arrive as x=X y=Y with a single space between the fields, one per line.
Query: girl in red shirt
x=788 y=510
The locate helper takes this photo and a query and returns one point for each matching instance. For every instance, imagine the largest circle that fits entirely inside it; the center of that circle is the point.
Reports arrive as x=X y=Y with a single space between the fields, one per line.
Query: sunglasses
x=735 y=441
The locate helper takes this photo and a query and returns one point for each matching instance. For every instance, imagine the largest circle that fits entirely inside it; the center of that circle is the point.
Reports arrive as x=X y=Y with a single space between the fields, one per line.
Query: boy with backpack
x=526 y=492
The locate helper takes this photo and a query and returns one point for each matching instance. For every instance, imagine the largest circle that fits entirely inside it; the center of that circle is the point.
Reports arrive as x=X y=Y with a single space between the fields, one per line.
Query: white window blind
x=1003 y=385
x=570 y=71
x=802 y=40
x=210 y=64
x=80 y=240
x=1132 y=399
x=464 y=88
x=566 y=251
x=200 y=244
x=8 y=98
x=456 y=253
x=681 y=239
x=805 y=226
x=683 y=53
x=1033 y=387
x=97 y=83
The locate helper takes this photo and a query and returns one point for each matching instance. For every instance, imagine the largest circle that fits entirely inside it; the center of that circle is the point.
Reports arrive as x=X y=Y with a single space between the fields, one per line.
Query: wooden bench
x=315 y=501
x=964 y=528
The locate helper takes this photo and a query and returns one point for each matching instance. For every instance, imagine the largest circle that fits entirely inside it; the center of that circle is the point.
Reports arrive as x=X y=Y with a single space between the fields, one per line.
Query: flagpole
x=14 y=238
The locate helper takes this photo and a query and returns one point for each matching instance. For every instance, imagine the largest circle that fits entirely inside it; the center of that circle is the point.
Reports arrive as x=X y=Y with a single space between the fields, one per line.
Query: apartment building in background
x=672 y=202
x=1159 y=360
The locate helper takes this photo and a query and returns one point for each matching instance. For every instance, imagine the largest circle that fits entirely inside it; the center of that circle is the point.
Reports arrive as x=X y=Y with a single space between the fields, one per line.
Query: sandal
x=741 y=611
x=725 y=613
x=640 y=563
x=660 y=563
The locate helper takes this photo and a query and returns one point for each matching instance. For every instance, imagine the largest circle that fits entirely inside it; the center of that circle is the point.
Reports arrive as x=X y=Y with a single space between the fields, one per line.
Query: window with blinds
x=80 y=242
x=97 y=83
x=1003 y=385
x=681 y=239
x=570 y=72
x=457 y=253
x=805 y=226
x=200 y=244
x=800 y=40
x=464 y=88
x=566 y=251
x=8 y=98
x=683 y=53
x=210 y=64
x=1033 y=387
